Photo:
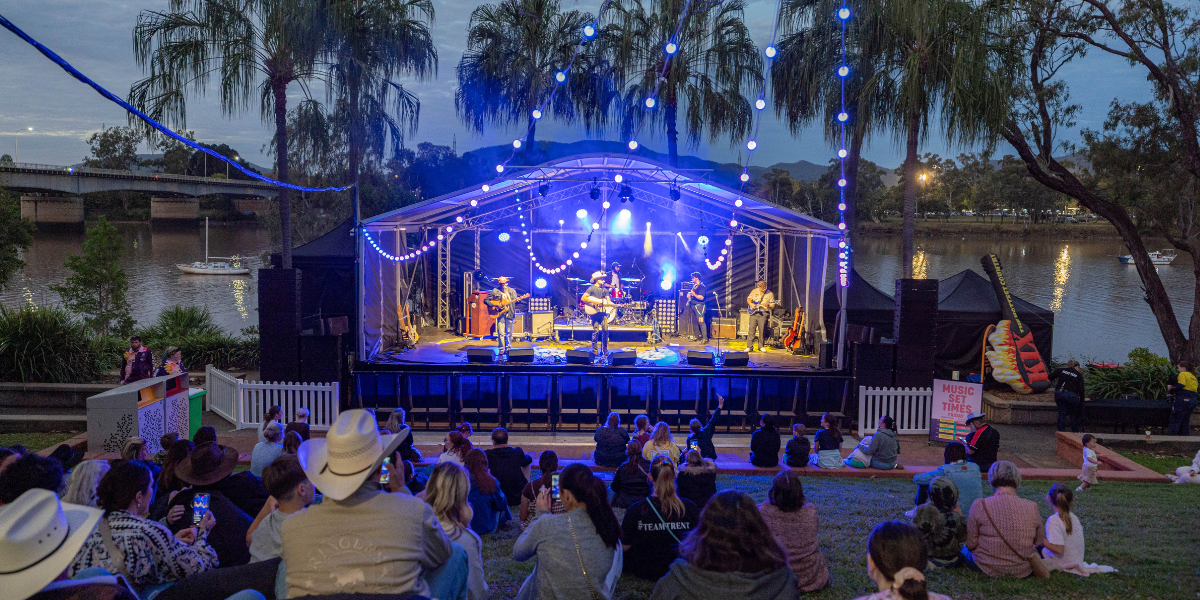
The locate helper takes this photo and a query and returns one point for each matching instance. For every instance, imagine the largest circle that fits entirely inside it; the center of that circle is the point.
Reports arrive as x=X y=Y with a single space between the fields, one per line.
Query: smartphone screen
x=554 y=486
x=693 y=445
x=199 y=507
x=385 y=476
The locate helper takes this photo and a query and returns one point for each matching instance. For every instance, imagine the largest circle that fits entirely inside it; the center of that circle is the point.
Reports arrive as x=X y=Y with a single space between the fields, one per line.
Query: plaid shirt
x=152 y=555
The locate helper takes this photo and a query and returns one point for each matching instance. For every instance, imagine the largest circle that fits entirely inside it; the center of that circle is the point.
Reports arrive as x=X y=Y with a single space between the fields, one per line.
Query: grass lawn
x=1159 y=463
x=1147 y=531
x=36 y=441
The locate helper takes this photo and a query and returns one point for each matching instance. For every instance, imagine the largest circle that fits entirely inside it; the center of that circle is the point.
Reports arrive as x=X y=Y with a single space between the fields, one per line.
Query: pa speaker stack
x=523 y=355
x=873 y=364
x=279 y=324
x=619 y=358
x=913 y=331
x=736 y=359
x=579 y=357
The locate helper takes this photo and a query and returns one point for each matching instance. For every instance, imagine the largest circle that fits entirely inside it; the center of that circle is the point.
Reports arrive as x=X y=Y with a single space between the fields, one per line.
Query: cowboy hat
x=503 y=279
x=207 y=464
x=973 y=416
x=349 y=453
x=597 y=275
x=39 y=537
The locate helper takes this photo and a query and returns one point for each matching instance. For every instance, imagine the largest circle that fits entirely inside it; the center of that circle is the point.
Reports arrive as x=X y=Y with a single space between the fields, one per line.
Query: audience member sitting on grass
x=27 y=472
x=697 y=479
x=454 y=449
x=653 y=528
x=486 y=499
x=267 y=450
x=579 y=552
x=662 y=443
x=895 y=560
x=883 y=449
x=630 y=483
x=703 y=436
x=274 y=415
x=795 y=454
x=234 y=499
x=764 y=443
x=291 y=443
x=793 y=520
x=414 y=480
x=135 y=450
x=1003 y=529
x=1064 y=546
x=611 y=439
x=829 y=444
x=300 y=425
x=81 y=487
x=360 y=538
x=548 y=464
x=1188 y=474
x=395 y=424
x=164 y=442
x=509 y=465
x=731 y=554
x=965 y=475
x=146 y=553
x=942 y=524
x=168 y=481
x=291 y=492
x=447 y=494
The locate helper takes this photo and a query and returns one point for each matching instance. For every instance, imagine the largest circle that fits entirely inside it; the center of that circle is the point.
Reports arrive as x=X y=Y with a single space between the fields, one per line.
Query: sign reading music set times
x=952 y=402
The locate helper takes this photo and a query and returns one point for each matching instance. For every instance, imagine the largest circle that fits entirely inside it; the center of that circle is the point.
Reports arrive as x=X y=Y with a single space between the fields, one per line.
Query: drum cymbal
x=631 y=279
x=577 y=280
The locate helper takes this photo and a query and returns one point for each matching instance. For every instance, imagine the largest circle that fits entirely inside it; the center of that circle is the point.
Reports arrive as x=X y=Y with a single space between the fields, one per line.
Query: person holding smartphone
x=702 y=436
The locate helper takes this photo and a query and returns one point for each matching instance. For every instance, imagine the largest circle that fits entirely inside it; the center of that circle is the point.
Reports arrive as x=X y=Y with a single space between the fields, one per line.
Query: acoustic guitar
x=496 y=307
x=795 y=333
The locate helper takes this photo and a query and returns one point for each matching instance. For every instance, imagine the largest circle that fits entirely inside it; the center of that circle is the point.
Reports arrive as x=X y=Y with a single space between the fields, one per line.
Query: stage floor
x=438 y=348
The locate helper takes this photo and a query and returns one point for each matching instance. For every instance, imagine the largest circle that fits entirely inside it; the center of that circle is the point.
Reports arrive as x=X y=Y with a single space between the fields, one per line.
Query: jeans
x=1070 y=406
x=504 y=328
x=758 y=330
x=883 y=466
x=1181 y=413
x=449 y=581
x=700 y=310
x=600 y=331
x=969 y=560
x=922 y=495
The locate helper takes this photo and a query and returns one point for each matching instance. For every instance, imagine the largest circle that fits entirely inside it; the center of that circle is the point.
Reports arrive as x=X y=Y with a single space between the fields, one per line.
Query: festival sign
x=952 y=402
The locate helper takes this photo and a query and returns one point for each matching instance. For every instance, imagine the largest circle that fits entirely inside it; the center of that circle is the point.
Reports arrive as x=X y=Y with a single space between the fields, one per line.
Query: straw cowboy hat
x=598 y=276
x=207 y=464
x=504 y=279
x=350 y=452
x=39 y=537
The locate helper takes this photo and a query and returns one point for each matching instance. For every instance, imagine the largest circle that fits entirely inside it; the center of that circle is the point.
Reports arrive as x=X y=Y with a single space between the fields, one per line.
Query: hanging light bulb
x=844 y=14
x=750 y=145
x=633 y=144
x=842 y=153
x=475 y=202
x=745 y=177
x=671 y=48
x=516 y=143
x=841 y=225
x=770 y=52
x=449 y=229
x=728 y=241
x=843 y=116
x=583 y=245
x=843 y=71
x=537 y=114
x=458 y=219
x=499 y=168
x=486 y=187
x=560 y=76
x=650 y=103
x=842 y=206
x=589 y=31
x=733 y=222
x=595 y=226
x=760 y=104
x=606 y=204
x=618 y=178
x=738 y=203
x=842 y=182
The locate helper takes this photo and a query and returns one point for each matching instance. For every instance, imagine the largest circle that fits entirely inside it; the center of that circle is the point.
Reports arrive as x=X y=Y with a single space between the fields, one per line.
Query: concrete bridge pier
x=53 y=212
x=174 y=210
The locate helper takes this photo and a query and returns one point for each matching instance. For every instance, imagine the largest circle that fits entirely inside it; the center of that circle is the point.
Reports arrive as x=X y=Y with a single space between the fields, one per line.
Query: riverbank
x=968 y=226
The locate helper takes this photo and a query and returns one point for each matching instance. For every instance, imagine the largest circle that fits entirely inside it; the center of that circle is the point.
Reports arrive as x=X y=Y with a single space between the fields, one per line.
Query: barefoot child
x=1090 y=463
x=1064 y=536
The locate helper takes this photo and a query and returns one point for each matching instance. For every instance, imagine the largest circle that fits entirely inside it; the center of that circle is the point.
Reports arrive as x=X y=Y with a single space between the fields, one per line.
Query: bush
x=1144 y=374
x=177 y=322
x=47 y=345
x=201 y=341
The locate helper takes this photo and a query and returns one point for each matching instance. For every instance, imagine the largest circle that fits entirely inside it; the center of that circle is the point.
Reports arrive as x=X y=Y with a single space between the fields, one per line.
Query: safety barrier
x=244 y=403
x=910 y=407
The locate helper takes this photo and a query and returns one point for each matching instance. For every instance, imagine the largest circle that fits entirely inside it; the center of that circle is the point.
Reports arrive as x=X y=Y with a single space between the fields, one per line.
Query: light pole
x=235 y=157
x=17 y=144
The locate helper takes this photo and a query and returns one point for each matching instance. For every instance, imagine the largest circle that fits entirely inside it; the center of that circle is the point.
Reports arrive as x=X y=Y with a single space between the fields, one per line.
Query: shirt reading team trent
x=652 y=546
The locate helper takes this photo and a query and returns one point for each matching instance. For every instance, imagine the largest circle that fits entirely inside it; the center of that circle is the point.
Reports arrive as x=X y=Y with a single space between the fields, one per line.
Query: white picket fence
x=911 y=407
x=244 y=403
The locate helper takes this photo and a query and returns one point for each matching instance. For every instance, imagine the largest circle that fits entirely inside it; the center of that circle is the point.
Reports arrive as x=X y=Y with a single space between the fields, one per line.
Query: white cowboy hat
x=39 y=537
x=598 y=275
x=503 y=278
x=350 y=452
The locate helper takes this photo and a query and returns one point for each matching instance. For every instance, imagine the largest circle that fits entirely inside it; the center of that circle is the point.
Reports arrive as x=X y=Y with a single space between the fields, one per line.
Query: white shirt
x=1073 y=546
x=1089 y=459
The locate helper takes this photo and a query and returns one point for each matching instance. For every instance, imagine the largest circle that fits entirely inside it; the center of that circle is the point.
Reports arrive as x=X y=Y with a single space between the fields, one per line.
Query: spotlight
x=624 y=214
x=626 y=193
x=540 y=283
x=504 y=237
x=671 y=48
x=702 y=240
x=674 y=194
x=561 y=222
x=595 y=193
x=543 y=189
x=581 y=213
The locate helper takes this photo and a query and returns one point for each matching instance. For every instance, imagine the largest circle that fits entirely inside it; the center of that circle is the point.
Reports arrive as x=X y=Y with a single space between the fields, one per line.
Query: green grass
x=1159 y=463
x=36 y=441
x=1146 y=531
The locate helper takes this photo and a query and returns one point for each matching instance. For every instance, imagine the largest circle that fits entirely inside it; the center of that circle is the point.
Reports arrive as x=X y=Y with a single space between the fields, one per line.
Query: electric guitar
x=755 y=305
x=408 y=332
x=794 y=337
x=497 y=307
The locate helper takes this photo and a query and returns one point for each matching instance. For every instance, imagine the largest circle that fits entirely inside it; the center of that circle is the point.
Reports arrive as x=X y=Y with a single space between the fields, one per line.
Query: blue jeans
x=504 y=328
x=1070 y=406
x=883 y=466
x=969 y=560
x=1181 y=413
x=449 y=581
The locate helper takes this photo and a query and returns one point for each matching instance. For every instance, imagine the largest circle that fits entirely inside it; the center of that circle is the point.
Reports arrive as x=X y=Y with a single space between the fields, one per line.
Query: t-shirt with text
x=653 y=547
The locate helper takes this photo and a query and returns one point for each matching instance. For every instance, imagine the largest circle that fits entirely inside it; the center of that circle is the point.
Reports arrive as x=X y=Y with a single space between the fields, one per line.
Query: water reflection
x=239 y=287
x=920 y=266
x=1062 y=272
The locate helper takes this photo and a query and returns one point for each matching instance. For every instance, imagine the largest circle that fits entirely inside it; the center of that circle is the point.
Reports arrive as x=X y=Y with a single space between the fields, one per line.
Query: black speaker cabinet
x=579 y=357
x=481 y=355
x=622 y=359
x=320 y=358
x=913 y=379
x=521 y=355
x=874 y=357
x=873 y=378
x=918 y=358
x=916 y=311
x=279 y=324
x=700 y=359
x=736 y=359
x=827 y=356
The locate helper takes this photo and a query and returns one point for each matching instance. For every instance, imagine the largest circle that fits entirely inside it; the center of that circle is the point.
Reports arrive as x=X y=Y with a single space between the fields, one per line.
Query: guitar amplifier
x=725 y=329
x=541 y=324
x=743 y=328
x=519 y=325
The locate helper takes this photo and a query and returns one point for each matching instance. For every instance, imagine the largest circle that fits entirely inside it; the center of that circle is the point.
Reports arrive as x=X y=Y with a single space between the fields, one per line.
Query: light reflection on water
x=1098 y=302
x=154 y=283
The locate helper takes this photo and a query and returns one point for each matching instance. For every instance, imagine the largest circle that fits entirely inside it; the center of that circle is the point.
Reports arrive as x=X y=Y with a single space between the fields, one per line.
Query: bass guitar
x=1014 y=356
x=408 y=332
x=496 y=307
x=795 y=333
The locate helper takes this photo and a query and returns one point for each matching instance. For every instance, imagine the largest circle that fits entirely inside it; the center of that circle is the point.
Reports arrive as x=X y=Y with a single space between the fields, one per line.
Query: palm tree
x=256 y=48
x=515 y=49
x=714 y=67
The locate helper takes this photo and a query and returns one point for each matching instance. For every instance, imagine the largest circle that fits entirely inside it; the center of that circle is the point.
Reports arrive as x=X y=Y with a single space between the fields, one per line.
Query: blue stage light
x=540 y=283
x=504 y=237
x=668 y=276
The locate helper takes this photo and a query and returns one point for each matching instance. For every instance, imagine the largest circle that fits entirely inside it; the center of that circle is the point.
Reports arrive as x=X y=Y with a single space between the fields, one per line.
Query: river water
x=1098 y=302
x=1099 y=311
x=151 y=254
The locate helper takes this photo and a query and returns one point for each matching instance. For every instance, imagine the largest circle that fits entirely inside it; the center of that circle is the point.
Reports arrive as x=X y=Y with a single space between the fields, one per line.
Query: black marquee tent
x=866 y=304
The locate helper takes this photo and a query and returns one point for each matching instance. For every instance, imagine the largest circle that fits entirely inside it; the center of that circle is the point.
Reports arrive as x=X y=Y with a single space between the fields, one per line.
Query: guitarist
x=695 y=302
x=503 y=298
x=596 y=296
x=761 y=302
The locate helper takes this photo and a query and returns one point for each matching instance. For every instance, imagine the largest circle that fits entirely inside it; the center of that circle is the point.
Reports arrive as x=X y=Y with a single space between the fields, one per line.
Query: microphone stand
x=719 y=355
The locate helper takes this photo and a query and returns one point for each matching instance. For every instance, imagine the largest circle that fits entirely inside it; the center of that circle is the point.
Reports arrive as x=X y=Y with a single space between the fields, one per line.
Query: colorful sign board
x=952 y=402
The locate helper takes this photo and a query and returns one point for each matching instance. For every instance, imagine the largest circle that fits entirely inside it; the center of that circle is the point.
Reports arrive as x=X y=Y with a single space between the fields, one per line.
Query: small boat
x=1158 y=257
x=213 y=268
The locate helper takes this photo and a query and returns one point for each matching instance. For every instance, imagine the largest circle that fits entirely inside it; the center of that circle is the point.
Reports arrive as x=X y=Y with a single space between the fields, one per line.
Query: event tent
x=967 y=304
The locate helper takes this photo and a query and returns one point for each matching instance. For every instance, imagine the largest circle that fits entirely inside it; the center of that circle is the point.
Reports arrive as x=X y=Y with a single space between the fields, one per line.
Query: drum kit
x=626 y=306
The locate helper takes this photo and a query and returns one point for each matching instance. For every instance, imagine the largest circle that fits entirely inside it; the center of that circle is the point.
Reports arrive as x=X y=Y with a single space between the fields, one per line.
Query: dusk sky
x=96 y=37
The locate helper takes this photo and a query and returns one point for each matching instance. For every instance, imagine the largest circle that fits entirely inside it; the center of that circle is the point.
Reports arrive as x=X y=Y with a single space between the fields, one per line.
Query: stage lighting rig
x=595 y=193
x=626 y=194
x=674 y=191
x=544 y=189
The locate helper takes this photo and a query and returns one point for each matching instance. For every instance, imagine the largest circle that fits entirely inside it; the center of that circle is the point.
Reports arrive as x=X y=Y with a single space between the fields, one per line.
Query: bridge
x=29 y=177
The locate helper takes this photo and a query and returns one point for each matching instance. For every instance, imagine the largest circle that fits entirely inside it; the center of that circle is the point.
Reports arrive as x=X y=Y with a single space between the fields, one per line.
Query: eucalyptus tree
x=516 y=49
x=255 y=49
x=694 y=60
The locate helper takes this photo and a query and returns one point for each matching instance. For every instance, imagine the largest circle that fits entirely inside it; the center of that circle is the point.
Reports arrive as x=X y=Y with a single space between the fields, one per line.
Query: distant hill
x=801 y=170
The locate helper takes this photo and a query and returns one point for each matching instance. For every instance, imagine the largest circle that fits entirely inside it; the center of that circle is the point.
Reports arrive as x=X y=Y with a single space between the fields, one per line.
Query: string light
x=405 y=257
x=844 y=250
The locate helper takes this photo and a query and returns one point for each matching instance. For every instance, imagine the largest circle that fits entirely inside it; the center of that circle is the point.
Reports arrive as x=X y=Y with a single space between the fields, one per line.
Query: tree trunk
x=910 y=190
x=279 y=89
x=354 y=145
x=529 y=137
x=672 y=134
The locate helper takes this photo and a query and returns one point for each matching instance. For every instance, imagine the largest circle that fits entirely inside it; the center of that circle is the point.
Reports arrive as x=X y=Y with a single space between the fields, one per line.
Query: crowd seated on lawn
x=327 y=521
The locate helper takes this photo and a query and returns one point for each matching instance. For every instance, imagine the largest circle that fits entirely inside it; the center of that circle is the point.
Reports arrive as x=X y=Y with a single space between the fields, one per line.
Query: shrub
x=201 y=341
x=1144 y=374
x=177 y=322
x=46 y=344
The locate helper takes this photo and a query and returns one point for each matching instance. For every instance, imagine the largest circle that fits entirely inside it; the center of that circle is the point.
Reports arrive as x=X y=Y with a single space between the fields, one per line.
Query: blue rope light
x=843 y=245
x=56 y=59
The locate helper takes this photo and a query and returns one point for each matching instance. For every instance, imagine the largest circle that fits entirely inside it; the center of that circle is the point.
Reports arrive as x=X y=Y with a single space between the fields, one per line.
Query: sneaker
x=1080 y=489
x=911 y=513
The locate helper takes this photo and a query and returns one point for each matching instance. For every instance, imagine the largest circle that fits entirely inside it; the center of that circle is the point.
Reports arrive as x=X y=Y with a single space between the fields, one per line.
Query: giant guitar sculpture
x=1014 y=357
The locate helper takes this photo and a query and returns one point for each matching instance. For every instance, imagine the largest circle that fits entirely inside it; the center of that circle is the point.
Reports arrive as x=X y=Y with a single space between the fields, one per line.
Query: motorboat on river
x=1158 y=257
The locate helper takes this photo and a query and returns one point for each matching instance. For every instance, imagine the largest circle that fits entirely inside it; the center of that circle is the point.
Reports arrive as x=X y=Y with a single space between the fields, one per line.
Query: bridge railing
x=12 y=166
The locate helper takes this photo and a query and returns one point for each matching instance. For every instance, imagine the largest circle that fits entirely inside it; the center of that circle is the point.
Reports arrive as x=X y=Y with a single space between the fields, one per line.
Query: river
x=1098 y=302
x=151 y=254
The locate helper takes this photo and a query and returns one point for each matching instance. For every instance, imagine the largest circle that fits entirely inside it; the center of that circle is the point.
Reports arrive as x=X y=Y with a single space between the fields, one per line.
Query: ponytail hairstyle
x=177 y=453
x=122 y=483
x=633 y=456
x=590 y=491
x=899 y=554
x=831 y=423
x=548 y=464
x=641 y=423
x=1062 y=498
x=889 y=422
x=459 y=445
x=663 y=474
x=291 y=442
x=273 y=414
x=732 y=536
x=477 y=465
x=446 y=492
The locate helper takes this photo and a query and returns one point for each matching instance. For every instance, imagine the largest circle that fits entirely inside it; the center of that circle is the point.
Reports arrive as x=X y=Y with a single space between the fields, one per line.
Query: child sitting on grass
x=1090 y=463
x=798 y=448
x=1064 y=536
x=291 y=491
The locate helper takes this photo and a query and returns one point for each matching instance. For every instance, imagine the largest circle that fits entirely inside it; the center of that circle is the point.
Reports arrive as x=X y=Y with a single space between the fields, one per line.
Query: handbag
x=578 y=553
x=114 y=553
x=1035 y=561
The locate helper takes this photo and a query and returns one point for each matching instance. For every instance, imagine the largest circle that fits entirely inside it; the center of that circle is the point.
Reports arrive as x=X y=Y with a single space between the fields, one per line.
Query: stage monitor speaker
x=918 y=358
x=579 y=357
x=736 y=359
x=874 y=357
x=481 y=355
x=521 y=355
x=827 y=355
x=625 y=358
x=541 y=324
x=913 y=379
x=724 y=328
x=700 y=359
x=873 y=378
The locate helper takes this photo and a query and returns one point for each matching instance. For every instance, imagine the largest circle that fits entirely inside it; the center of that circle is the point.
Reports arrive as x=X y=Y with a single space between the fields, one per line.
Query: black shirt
x=826 y=440
x=700 y=289
x=704 y=437
x=764 y=447
x=652 y=546
x=1069 y=380
x=505 y=464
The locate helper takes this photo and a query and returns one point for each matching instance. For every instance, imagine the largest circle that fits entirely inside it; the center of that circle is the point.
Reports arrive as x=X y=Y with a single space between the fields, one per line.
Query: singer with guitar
x=761 y=302
x=500 y=304
x=695 y=304
x=597 y=304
